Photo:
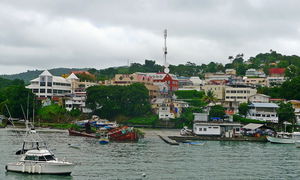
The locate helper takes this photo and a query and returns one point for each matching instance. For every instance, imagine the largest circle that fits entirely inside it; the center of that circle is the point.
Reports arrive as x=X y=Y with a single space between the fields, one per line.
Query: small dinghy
x=76 y=146
x=194 y=143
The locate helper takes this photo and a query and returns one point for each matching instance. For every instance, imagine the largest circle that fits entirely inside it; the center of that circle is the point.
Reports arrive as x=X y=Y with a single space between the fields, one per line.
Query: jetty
x=167 y=140
x=218 y=138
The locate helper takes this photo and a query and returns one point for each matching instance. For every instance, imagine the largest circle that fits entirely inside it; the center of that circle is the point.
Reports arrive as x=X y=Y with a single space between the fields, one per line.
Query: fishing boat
x=73 y=132
x=40 y=161
x=124 y=133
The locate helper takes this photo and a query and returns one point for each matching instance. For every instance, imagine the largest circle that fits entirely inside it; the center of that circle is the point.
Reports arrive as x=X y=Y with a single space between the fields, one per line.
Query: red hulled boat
x=121 y=134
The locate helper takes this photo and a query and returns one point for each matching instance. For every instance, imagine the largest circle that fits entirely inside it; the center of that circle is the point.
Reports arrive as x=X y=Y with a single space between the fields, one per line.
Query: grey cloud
x=78 y=33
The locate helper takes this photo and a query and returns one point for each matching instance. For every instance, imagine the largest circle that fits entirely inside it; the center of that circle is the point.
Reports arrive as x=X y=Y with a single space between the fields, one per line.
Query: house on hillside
x=259 y=98
x=263 y=112
x=276 y=72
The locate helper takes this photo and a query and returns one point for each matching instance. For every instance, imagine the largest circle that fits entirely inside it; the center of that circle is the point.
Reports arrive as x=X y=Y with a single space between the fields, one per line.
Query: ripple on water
x=158 y=160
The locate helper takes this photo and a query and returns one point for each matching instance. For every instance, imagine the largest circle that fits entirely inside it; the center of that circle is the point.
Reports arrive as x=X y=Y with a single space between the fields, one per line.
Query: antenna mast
x=166 y=65
x=165 y=48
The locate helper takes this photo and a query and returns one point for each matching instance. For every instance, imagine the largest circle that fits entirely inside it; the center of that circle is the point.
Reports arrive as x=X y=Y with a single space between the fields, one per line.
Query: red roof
x=276 y=70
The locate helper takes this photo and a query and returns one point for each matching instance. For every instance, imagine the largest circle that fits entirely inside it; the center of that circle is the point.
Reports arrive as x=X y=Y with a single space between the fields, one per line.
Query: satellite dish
x=166 y=70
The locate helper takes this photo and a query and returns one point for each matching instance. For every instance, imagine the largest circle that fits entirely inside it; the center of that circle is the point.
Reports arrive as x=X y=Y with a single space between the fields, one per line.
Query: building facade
x=263 y=112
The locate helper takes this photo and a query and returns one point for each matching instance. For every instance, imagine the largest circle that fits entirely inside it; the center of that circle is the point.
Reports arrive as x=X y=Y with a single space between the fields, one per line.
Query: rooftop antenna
x=166 y=65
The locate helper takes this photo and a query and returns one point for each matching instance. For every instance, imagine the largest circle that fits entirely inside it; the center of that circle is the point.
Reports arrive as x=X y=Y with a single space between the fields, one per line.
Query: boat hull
x=77 y=133
x=280 y=140
x=57 y=168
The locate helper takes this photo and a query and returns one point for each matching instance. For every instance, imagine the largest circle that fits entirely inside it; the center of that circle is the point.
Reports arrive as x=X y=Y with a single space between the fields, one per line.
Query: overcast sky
x=44 y=34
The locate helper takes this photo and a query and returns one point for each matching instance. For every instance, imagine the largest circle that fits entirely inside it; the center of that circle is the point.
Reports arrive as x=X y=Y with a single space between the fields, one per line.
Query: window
x=42 y=158
x=49 y=90
x=50 y=157
x=216 y=127
x=42 y=84
x=42 y=91
x=200 y=129
x=31 y=158
x=49 y=84
x=35 y=90
x=204 y=129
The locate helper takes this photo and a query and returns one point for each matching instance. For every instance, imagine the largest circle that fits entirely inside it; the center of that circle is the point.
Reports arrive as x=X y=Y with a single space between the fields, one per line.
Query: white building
x=263 y=112
x=255 y=73
x=259 y=98
x=47 y=85
x=217 y=129
x=77 y=102
x=164 y=112
x=273 y=81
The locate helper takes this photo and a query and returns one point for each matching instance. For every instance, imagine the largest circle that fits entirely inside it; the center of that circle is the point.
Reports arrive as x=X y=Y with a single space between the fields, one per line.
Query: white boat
x=40 y=161
x=36 y=158
x=284 y=138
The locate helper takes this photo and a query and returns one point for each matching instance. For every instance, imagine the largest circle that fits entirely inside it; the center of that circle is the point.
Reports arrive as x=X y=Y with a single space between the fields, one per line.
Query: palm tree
x=210 y=97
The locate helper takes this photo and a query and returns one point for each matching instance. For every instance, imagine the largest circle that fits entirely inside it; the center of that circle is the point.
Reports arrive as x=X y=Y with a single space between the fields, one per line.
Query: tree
x=217 y=111
x=243 y=109
x=17 y=97
x=286 y=113
x=209 y=97
x=291 y=71
x=111 y=101
x=53 y=113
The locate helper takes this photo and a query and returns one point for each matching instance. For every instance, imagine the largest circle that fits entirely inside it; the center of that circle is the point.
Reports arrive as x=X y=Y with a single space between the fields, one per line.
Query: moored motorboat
x=40 y=161
x=284 y=138
x=36 y=158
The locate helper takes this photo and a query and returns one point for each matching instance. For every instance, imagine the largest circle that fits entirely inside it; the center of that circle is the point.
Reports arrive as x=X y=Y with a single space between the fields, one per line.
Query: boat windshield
x=50 y=158
x=40 y=158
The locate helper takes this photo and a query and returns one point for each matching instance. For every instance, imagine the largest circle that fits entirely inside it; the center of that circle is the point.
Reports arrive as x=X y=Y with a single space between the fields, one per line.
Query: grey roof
x=252 y=126
x=269 y=105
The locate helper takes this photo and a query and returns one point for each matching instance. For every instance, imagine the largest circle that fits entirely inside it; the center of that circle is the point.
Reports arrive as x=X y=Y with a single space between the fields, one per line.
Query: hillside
x=29 y=75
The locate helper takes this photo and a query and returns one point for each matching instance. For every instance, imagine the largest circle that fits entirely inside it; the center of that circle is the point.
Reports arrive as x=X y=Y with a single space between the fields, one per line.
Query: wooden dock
x=217 y=138
x=168 y=140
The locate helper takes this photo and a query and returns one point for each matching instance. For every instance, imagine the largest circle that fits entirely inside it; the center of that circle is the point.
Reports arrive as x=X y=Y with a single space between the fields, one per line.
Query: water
x=158 y=160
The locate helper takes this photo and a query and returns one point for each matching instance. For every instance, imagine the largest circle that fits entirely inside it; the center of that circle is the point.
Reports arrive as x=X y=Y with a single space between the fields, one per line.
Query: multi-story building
x=263 y=112
x=255 y=73
x=49 y=86
x=256 y=81
x=170 y=79
x=237 y=94
x=218 y=90
x=296 y=106
x=230 y=72
x=127 y=79
x=275 y=80
x=216 y=76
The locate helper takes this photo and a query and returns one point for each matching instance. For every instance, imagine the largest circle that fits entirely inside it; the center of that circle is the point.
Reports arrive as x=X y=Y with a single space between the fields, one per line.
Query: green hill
x=29 y=75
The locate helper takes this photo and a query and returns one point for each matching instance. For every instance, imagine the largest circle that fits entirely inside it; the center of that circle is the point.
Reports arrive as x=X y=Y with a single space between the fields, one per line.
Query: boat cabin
x=39 y=155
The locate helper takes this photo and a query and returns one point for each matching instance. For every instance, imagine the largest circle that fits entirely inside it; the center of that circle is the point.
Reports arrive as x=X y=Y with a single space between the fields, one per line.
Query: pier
x=218 y=138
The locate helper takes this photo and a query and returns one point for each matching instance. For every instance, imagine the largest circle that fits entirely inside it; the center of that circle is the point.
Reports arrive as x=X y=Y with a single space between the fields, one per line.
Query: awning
x=252 y=126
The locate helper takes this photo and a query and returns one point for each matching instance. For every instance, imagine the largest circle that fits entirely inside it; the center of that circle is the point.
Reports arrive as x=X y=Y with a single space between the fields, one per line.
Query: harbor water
x=151 y=158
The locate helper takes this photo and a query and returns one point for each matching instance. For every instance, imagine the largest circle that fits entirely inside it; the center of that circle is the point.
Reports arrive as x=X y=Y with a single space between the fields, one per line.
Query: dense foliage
x=243 y=109
x=17 y=97
x=111 y=101
x=286 y=113
x=189 y=94
x=217 y=111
